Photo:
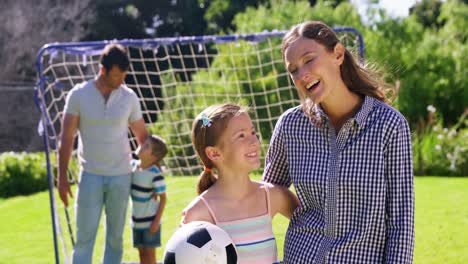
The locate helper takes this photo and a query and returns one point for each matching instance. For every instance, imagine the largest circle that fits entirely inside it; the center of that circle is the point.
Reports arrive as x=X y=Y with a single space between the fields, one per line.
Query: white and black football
x=200 y=242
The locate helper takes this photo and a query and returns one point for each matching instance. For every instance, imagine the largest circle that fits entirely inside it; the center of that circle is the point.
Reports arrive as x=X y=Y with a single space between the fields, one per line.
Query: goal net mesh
x=175 y=79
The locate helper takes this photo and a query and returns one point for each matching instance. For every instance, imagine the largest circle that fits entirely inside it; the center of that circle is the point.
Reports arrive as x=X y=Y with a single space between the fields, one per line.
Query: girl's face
x=239 y=145
x=314 y=70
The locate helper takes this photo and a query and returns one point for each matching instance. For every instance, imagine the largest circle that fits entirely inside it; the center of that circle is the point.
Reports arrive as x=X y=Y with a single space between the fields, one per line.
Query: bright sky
x=394 y=7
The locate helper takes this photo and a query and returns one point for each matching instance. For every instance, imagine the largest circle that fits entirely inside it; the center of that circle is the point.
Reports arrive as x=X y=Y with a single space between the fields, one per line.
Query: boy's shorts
x=143 y=238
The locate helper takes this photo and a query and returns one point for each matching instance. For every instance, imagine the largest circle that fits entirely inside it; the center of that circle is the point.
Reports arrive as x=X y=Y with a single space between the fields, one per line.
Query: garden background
x=423 y=55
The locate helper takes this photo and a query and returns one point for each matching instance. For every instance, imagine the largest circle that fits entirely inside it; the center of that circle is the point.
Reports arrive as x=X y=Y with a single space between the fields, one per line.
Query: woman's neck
x=340 y=106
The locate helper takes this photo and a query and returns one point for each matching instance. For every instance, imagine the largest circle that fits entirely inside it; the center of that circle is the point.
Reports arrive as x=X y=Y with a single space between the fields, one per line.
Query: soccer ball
x=200 y=242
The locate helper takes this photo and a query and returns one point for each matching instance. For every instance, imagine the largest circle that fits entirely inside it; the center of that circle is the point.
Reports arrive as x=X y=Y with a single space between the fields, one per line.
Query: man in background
x=101 y=110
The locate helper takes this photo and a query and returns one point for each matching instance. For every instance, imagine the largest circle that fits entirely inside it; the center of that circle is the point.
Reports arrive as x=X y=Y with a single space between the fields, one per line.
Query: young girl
x=348 y=155
x=227 y=144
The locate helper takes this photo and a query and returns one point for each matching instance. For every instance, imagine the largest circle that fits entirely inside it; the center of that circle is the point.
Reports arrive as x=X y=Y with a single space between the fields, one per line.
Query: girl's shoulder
x=276 y=192
x=262 y=184
x=282 y=199
x=196 y=211
x=273 y=189
x=270 y=187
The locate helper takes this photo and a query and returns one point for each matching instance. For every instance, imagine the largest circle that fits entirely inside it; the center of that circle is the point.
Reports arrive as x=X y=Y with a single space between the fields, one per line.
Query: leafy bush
x=427 y=64
x=438 y=150
x=423 y=62
x=22 y=173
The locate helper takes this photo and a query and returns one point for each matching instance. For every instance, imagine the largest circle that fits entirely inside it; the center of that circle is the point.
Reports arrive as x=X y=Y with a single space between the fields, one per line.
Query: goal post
x=175 y=79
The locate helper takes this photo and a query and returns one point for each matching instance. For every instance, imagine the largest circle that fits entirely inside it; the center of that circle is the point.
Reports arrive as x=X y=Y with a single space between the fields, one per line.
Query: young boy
x=148 y=198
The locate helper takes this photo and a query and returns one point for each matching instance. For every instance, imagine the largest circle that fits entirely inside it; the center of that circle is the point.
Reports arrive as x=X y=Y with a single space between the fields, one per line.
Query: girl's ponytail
x=205 y=180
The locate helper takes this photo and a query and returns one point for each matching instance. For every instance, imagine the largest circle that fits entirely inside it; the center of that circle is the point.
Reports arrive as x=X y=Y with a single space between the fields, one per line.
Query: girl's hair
x=359 y=79
x=207 y=129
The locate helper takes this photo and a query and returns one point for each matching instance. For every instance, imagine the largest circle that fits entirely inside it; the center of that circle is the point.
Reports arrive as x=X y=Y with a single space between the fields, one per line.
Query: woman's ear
x=339 y=52
x=213 y=153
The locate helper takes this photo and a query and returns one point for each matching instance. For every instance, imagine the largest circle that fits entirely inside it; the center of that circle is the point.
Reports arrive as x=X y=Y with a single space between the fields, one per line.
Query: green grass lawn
x=441 y=223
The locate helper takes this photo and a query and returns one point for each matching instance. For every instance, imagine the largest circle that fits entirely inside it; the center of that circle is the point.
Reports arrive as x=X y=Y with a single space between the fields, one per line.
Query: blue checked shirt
x=355 y=187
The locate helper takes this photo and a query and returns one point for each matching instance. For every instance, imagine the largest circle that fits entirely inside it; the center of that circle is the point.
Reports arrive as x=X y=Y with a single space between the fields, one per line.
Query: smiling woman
x=320 y=66
x=348 y=155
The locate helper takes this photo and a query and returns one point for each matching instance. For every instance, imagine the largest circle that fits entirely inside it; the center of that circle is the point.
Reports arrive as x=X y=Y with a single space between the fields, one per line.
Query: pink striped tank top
x=253 y=237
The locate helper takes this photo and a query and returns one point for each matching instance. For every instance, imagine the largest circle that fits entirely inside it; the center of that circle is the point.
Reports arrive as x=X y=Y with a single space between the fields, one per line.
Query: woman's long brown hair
x=359 y=79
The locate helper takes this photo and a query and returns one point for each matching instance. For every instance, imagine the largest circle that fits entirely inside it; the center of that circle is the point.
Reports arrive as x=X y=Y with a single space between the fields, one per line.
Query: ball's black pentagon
x=169 y=258
x=231 y=254
x=199 y=237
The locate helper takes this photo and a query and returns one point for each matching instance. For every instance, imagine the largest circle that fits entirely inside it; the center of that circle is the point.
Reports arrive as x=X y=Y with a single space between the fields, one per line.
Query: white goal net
x=175 y=79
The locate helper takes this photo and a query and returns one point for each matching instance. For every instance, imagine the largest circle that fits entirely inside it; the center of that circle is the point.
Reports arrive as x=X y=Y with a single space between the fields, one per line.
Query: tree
x=138 y=19
x=25 y=28
x=219 y=13
x=115 y=20
x=427 y=13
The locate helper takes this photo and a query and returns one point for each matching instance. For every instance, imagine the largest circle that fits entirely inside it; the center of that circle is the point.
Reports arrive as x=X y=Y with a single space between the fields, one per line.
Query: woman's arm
x=400 y=196
x=276 y=165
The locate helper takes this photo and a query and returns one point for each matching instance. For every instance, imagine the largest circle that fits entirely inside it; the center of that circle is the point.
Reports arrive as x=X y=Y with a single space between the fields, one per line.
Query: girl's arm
x=157 y=219
x=400 y=196
x=283 y=201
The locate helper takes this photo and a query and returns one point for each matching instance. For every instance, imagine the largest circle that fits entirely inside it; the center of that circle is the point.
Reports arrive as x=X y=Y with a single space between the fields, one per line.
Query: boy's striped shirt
x=145 y=183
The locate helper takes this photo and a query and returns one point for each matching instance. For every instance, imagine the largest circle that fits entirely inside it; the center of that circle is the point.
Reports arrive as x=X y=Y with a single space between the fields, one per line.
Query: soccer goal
x=175 y=79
